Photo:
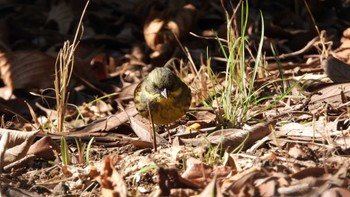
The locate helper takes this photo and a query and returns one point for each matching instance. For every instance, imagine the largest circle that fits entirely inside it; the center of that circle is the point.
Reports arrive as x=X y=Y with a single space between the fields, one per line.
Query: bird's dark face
x=163 y=81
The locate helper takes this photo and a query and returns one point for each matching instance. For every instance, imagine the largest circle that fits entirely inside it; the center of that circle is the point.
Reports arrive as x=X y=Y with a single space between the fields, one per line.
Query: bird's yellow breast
x=163 y=108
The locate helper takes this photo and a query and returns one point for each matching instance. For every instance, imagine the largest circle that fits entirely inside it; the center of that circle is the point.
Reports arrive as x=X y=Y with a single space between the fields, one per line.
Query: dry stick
x=295 y=53
x=19 y=163
x=153 y=130
x=34 y=117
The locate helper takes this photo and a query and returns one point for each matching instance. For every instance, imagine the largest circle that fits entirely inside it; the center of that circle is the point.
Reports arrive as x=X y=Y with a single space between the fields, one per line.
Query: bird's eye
x=155 y=86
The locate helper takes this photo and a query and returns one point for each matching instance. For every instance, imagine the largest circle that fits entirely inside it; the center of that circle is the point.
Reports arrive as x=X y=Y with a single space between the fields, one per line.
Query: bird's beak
x=164 y=93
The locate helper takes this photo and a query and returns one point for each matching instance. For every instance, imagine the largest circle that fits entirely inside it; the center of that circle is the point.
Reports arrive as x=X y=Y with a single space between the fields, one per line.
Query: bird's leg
x=153 y=129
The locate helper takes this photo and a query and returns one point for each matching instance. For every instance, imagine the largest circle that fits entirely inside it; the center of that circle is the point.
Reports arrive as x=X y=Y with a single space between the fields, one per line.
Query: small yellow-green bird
x=168 y=97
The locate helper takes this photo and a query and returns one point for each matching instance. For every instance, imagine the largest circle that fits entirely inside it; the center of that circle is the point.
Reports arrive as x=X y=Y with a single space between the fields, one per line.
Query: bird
x=163 y=95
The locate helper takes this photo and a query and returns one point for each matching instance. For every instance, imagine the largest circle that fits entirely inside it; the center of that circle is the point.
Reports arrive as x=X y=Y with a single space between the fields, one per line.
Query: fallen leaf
x=336 y=70
x=212 y=189
x=32 y=70
x=112 y=183
x=268 y=188
x=314 y=172
x=27 y=69
x=298 y=151
x=238 y=181
x=14 y=145
x=44 y=148
x=330 y=95
x=62 y=14
x=336 y=192
x=169 y=178
x=161 y=28
x=144 y=133
x=107 y=123
x=232 y=138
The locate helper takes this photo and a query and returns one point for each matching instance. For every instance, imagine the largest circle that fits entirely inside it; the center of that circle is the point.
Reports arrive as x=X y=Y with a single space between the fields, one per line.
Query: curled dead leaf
x=212 y=188
x=151 y=31
x=32 y=70
x=112 y=183
x=143 y=131
x=336 y=192
x=62 y=14
x=14 y=145
x=232 y=138
x=336 y=70
x=162 y=27
x=27 y=70
x=169 y=178
x=44 y=148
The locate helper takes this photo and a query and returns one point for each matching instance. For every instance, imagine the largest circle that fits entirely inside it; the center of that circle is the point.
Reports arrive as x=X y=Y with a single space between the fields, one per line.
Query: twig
x=153 y=130
x=295 y=53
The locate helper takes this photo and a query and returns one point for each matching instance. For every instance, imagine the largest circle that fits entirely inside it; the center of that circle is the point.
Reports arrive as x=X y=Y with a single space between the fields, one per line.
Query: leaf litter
x=299 y=147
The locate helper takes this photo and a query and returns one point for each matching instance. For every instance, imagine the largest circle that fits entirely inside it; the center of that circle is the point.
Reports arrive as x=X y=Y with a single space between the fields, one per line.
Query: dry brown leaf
x=151 y=31
x=296 y=189
x=181 y=21
x=268 y=185
x=112 y=183
x=169 y=178
x=44 y=148
x=160 y=28
x=198 y=173
x=27 y=70
x=336 y=192
x=298 y=151
x=32 y=70
x=51 y=114
x=5 y=92
x=312 y=130
x=183 y=192
x=201 y=174
x=128 y=91
x=62 y=14
x=232 y=138
x=108 y=123
x=343 y=50
x=237 y=182
x=66 y=171
x=336 y=70
x=14 y=191
x=314 y=182
x=204 y=119
x=212 y=189
x=143 y=131
x=314 y=172
x=21 y=163
x=141 y=144
x=268 y=188
x=14 y=145
x=330 y=95
x=343 y=141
